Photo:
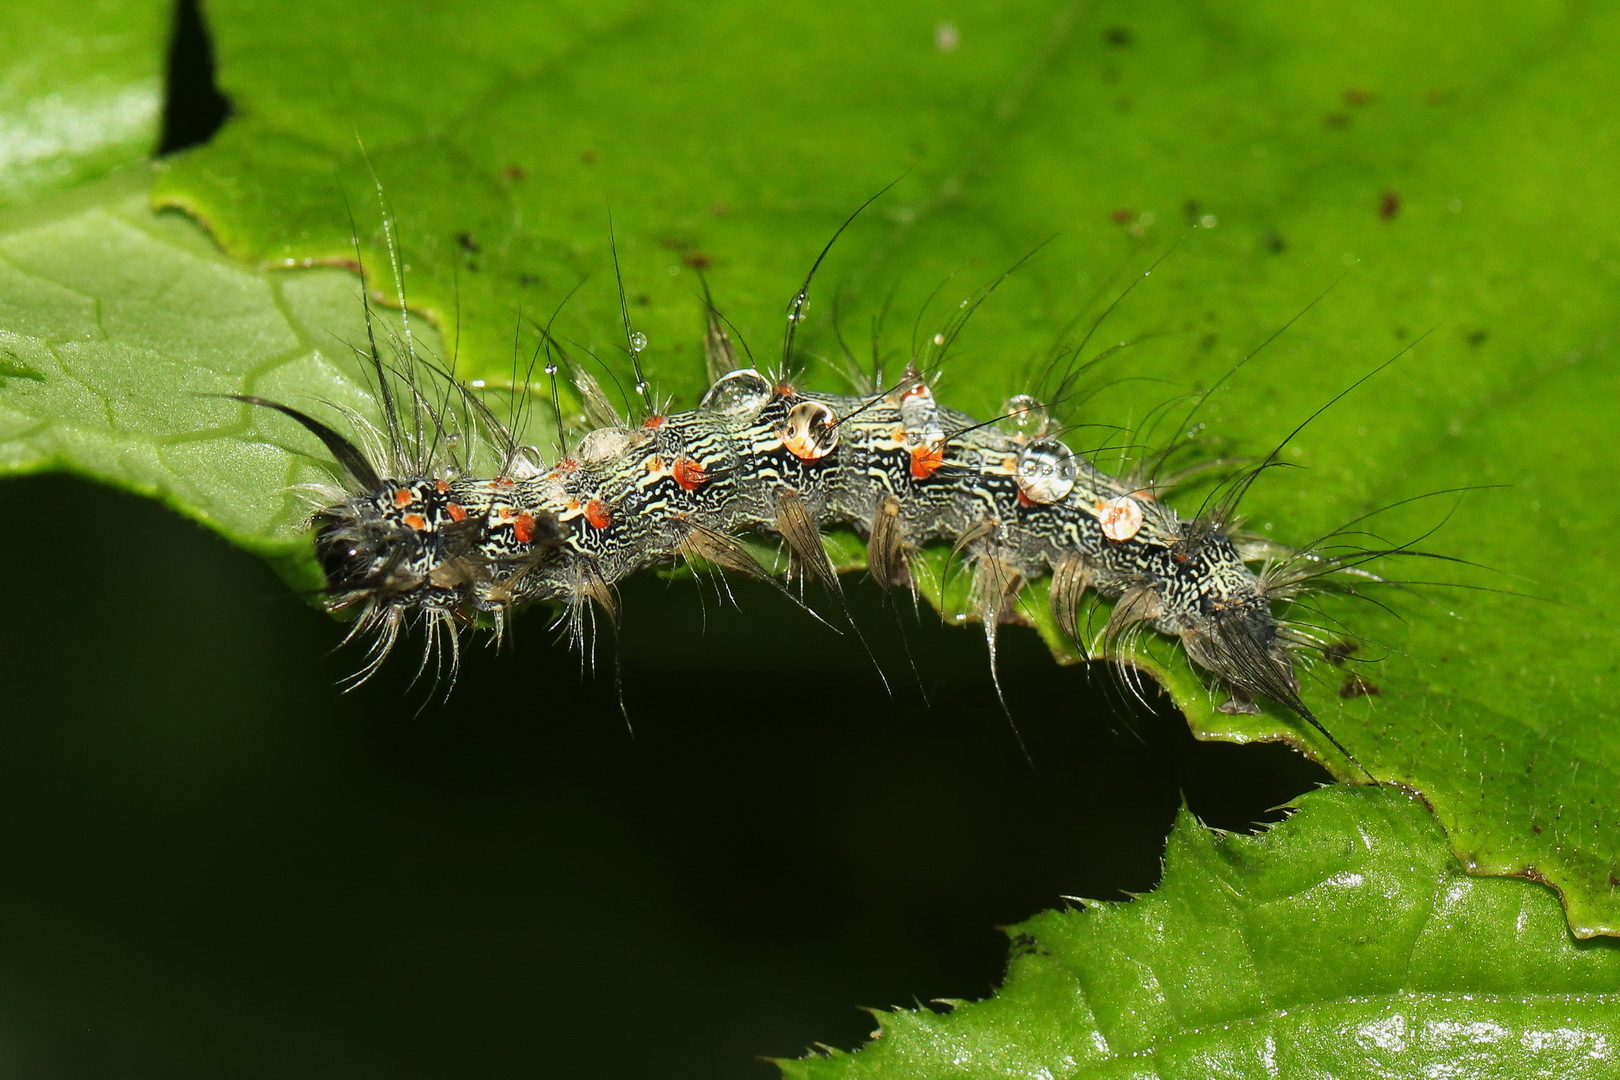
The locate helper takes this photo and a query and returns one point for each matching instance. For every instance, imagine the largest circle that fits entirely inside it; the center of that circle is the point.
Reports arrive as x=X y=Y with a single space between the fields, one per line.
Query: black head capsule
x=371 y=554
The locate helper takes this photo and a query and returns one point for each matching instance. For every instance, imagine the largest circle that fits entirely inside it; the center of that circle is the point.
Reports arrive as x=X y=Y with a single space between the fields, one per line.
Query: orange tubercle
x=403 y=497
x=689 y=474
x=416 y=521
x=654 y=421
x=455 y=511
x=926 y=460
x=597 y=515
x=523 y=529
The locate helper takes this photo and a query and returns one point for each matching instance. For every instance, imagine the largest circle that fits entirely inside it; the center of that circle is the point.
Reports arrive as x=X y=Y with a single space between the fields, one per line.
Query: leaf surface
x=1344 y=942
x=81 y=92
x=1440 y=175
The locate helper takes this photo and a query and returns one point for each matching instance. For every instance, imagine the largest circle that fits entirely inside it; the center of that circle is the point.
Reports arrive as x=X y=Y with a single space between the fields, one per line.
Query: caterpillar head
x=390 y=547
x=402 y=546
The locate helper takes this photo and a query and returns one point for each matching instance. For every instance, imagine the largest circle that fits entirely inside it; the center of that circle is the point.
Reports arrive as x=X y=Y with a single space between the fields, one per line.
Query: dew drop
x=743 y=392
x=1121 y=518
x=603 y=444
x=811 y=431
x=638 y=341
x=1046 y=471
x=525 y=463
x=1027 y=413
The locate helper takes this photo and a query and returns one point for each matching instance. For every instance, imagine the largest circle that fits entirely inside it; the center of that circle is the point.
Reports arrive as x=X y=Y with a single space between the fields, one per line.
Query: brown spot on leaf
x=1356 y=686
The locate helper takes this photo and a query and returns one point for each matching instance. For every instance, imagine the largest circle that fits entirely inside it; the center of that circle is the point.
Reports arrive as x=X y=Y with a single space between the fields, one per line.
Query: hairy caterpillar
x=421 y=531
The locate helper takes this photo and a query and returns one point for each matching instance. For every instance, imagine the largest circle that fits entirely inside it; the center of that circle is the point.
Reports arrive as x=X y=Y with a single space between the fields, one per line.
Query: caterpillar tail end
x=1243 y=651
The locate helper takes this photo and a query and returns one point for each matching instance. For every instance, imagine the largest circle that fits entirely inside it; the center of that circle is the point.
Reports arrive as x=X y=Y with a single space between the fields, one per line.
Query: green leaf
x=1440 y=173
x=1343 y=942
x=119 y=331
x=82 y=92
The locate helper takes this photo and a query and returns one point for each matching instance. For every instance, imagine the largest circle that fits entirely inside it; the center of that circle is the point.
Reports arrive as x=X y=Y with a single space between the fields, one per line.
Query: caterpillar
x=418 y=530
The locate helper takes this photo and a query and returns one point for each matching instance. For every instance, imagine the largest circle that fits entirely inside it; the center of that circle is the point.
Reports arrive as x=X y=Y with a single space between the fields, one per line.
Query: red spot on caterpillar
x=689 y=474
x=505 y=482
x=784 y=389
x=926 y=460
x=655 y=464
x=524 y=528
x=1025 y=500
x=442 y=486
x=456 y=512
x=566 y=465
x=596 y=514
x=915 y=390
x=653 y=422
x=416 y=521
x=403 y=497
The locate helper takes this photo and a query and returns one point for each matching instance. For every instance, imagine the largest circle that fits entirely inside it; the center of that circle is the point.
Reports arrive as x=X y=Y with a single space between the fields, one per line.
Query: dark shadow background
x=215 y=864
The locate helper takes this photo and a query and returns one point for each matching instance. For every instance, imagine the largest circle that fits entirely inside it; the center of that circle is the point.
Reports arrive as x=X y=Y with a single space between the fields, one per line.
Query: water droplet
x=477 y=384
x=1046 y=471
x=1120 y=518
x=603 y=444
x=939 y=339
x=743 y=392
x=919 y=416
x=551 y=369
x=526 y=463
x=638 y=341
x=811 y=430
x=1027 y=414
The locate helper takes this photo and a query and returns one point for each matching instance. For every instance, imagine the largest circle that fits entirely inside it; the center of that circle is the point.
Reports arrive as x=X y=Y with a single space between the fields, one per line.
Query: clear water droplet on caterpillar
x=743 y=392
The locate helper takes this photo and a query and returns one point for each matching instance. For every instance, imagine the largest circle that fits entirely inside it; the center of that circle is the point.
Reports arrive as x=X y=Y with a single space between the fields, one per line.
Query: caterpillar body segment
x=760 y=456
